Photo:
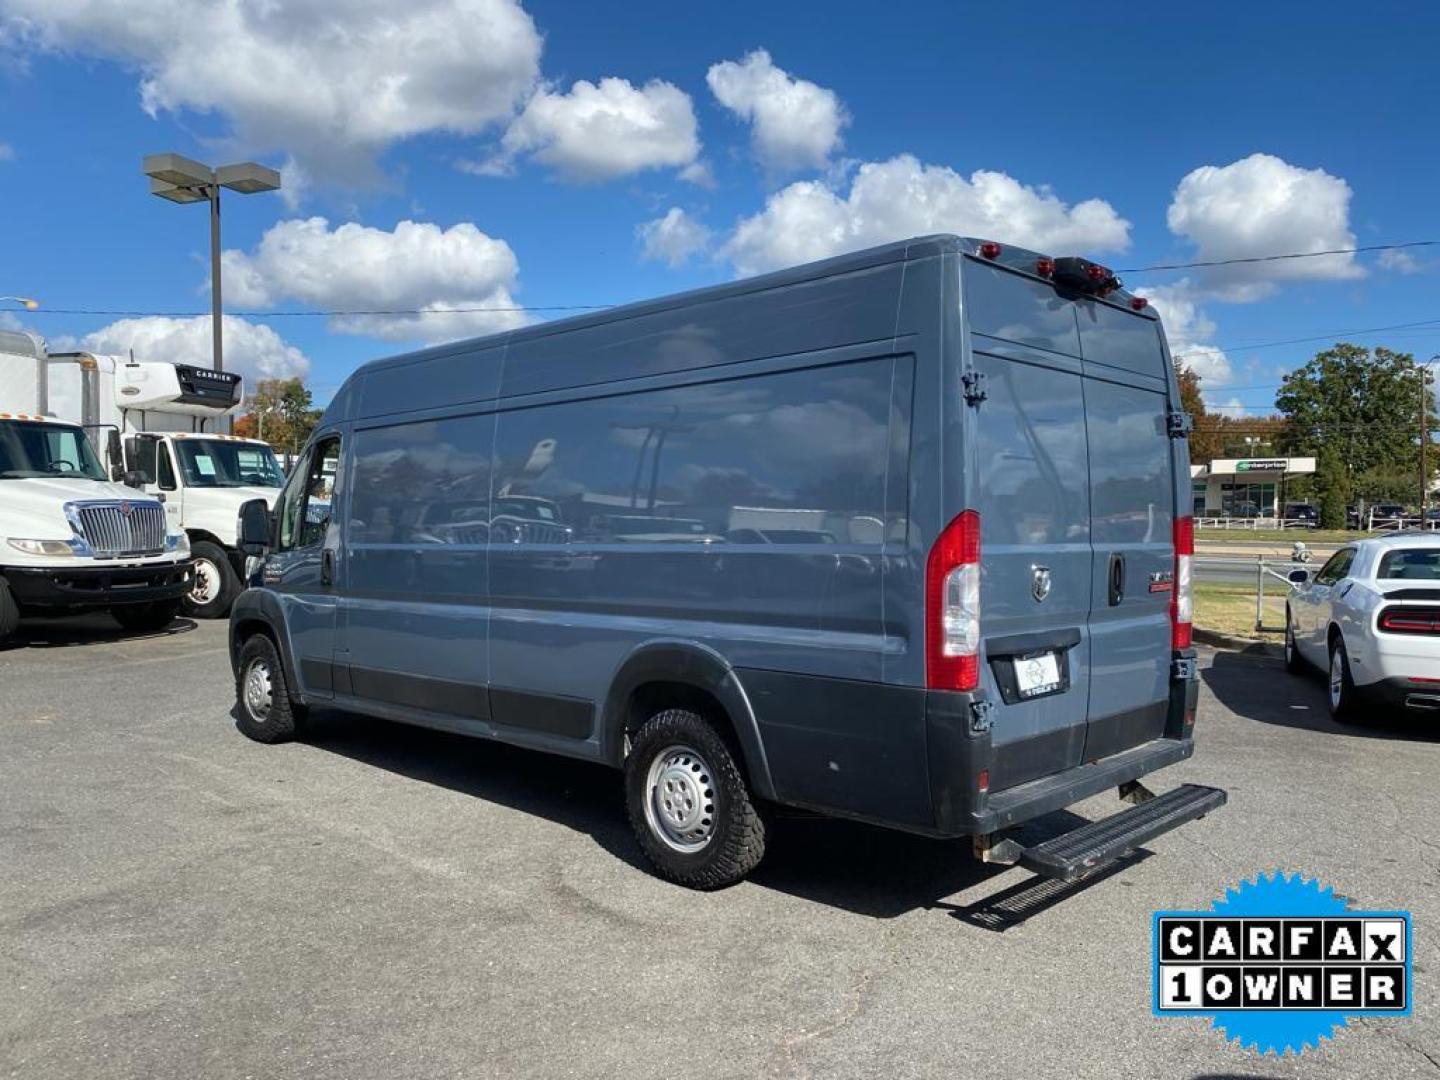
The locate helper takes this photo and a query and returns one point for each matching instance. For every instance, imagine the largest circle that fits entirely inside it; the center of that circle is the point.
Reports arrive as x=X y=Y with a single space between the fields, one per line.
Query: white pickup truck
x=71 y=540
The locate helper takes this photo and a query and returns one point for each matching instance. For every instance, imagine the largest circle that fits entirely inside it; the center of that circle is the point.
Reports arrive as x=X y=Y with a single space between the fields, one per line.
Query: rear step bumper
x=1076 y=853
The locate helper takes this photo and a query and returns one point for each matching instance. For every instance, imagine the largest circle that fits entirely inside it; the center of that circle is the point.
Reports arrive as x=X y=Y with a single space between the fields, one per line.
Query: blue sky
x=1139 y=136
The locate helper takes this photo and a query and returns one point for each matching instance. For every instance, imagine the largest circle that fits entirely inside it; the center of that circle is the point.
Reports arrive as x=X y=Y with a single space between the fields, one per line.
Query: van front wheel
x=263 y=709
x=689 y=805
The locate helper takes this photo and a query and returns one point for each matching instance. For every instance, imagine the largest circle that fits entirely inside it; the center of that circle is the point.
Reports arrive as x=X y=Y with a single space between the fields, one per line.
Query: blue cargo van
x=901 y=536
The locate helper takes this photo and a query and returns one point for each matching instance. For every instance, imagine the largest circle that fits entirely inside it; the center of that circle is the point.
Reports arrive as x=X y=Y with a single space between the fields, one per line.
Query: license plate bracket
x=1037 y=674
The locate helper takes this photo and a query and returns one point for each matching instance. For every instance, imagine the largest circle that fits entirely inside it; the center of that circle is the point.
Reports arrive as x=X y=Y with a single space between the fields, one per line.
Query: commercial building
x=1245 y=487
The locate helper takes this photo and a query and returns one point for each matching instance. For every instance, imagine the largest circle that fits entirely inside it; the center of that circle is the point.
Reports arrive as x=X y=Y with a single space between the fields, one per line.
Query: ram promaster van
x=892 y=536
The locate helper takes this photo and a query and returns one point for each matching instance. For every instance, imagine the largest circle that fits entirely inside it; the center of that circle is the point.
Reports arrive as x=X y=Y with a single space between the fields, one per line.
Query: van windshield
x=29 y=450
x=218 y=463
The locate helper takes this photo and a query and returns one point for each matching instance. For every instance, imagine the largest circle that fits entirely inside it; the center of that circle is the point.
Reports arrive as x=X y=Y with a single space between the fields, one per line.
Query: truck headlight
x=43 y=547
x=178 y=542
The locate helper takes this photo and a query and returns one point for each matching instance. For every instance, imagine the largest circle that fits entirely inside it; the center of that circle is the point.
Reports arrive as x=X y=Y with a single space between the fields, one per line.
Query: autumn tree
x=280 y=412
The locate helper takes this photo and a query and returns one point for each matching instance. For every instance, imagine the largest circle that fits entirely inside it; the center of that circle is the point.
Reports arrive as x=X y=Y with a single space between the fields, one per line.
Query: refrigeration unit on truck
x=160 y=424
x=71 y=540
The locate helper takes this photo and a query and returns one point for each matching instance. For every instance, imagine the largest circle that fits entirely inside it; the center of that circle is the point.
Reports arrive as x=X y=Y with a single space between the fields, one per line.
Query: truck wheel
x=146 y=618
x=689 y=804
x=216 y=583
x=9 y=612
x=264 y=711
x=1340 y=687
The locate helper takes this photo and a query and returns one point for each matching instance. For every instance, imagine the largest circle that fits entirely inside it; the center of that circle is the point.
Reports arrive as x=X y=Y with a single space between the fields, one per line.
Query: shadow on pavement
x=66 y=631
x=860 y=868
x=1257 y=687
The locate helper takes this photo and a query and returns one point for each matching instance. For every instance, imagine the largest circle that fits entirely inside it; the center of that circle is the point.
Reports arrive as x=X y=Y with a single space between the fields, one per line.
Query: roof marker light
x=1139 y=303
x=990 y=249
x=1045 y=267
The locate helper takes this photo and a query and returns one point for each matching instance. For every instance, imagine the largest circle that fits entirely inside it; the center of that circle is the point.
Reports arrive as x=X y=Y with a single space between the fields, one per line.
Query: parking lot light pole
x=1425 y=437
x=182 y=180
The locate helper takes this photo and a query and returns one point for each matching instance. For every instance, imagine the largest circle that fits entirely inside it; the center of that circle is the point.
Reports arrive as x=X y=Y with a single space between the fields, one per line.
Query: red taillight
x=1045 y=267
x=952 y=606
x=990 y=249
x=1410 y=620
x=1097 y=272
x=1182 y=605
x=1138 y=303
x=982 y=783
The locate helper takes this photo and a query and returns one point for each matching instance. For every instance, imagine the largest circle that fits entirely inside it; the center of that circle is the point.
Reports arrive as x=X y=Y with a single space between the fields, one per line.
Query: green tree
x=1363 y=406
x=1334 y=487
x=280 y=413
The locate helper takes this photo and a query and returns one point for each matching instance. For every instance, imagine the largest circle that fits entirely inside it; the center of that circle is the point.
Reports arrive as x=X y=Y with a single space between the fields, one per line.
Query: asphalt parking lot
x=380 y=901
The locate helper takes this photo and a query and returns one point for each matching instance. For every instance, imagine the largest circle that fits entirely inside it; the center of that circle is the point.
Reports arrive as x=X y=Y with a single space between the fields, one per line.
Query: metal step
x=1075 y=854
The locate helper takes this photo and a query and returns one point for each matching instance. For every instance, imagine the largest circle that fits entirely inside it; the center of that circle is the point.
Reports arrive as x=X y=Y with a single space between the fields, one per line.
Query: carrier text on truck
x=70 y=539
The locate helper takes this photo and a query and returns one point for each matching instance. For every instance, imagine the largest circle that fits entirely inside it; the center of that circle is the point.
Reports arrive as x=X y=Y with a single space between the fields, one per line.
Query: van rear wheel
x=216 y=583
x=689 y=805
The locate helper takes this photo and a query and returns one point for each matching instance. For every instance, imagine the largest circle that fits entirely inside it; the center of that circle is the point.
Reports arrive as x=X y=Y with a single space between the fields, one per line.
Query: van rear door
x=1132 y=512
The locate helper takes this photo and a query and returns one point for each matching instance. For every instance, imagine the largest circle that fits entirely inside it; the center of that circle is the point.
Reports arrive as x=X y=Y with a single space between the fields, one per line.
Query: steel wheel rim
x=681 y=799
x=207 y=582
x=259 y=689
x=1337 y=677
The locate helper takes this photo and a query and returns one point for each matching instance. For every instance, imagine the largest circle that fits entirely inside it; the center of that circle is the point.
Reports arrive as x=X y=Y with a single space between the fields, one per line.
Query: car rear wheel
x=263 y=709
x=1340 y=687
x=1294 y=663
x=689 y=804
x=216 y=584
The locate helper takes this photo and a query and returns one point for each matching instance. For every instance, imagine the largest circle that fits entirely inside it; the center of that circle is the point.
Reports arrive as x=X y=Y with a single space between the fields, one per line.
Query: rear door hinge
x=1179 y=423
x=975 y=391
x=980 y=717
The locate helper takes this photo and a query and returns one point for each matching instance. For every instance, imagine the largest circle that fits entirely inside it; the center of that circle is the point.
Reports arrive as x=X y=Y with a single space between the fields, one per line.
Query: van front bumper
x=92 y=587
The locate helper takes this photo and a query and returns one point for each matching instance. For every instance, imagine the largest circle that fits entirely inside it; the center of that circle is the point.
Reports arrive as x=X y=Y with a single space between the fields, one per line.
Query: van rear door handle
x=327 y=566
x=1117 y=578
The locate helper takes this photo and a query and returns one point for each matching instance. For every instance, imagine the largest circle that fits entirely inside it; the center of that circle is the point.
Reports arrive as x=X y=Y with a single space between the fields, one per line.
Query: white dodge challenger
x=1370 y=619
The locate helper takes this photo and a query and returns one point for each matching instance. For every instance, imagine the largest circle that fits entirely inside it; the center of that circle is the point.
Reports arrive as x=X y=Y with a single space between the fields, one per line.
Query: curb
x=1217 y=640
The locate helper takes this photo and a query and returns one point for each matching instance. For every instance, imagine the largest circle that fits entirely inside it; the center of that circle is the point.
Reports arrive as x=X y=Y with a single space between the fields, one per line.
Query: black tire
x=216 y=583
x=1294 y=662
x=263 y=709
x=9 y=612
x=1339 y=686
x=146 y=618
x=712 y=834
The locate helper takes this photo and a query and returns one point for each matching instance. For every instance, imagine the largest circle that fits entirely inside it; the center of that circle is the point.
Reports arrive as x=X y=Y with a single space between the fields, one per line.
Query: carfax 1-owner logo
x=1280 y=962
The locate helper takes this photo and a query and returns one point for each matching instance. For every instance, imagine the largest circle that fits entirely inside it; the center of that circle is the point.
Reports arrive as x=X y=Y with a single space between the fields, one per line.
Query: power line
x=1430 y=323
x=1285 y=256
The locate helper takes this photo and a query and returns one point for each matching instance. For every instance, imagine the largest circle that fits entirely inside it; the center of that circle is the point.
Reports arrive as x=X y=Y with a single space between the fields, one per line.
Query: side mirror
x=1299 y=577
x=113 y=453
x=253 y=527
x=133 y=478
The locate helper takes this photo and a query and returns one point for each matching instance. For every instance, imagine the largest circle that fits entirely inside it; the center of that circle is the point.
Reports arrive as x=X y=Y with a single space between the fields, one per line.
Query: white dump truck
x=159 y=422
x=71 y=540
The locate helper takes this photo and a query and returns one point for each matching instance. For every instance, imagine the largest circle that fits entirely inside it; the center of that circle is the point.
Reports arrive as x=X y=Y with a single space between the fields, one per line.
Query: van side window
x=305 y=502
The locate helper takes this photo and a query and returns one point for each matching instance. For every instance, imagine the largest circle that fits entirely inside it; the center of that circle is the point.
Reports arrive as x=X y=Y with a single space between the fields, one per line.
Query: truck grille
x=120 y=527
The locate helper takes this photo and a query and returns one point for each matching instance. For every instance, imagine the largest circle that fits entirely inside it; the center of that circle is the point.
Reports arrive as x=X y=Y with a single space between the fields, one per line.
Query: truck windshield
x=29 y=450
x=217 y=463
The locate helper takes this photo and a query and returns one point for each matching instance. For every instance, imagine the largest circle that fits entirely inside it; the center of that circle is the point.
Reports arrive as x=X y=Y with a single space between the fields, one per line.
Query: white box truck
x=160 y=422
x=70 y=539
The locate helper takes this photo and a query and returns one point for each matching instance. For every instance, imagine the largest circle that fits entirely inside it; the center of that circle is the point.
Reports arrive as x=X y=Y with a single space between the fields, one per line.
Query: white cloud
x=601 y=131
x=673 y=238
x=1261 y=205
x=417 y=266
x=254 y=350
x=795 y=124
x=1188 y=329
x=1400 y=262
x=899 y=198
x=332 y=83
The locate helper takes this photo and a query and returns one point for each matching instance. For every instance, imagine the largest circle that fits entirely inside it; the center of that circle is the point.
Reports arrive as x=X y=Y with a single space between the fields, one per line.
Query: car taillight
x=1182 y=603
x=1409 y=620
x=952 y=606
